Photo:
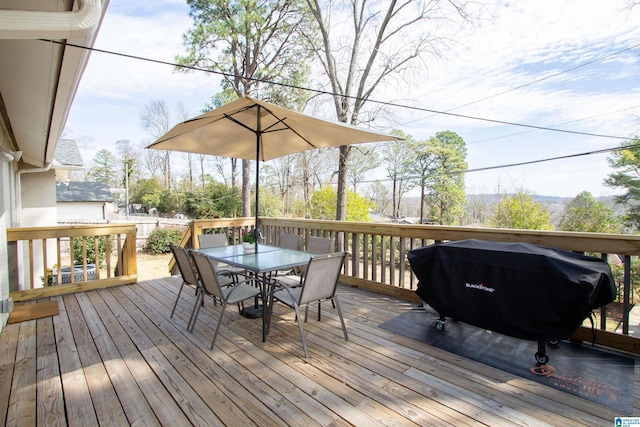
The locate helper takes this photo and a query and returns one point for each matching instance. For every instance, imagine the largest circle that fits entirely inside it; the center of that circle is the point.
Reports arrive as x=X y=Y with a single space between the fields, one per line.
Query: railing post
x=12 y=258
x=129 y=262
x=626 y=306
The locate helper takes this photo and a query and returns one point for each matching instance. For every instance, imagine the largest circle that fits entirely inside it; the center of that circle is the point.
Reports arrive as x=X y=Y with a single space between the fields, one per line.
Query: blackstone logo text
x=480 y=287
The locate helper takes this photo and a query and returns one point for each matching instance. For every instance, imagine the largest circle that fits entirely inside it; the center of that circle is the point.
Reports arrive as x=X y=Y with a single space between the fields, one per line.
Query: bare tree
x=383 y=40
x=128 y=155
x=398 y=160
x=279 y=174
x=150 y=161
x=182 y=115
x=363 y=159
x=156 y=120
x=312 y=168
x=202 y=159
x=378 y=193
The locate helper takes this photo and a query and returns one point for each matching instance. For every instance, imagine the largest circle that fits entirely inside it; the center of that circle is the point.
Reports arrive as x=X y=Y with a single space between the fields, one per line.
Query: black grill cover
x=517 y=289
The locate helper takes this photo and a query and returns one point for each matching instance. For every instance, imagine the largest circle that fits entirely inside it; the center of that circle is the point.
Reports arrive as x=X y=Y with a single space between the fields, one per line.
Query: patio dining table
x=264 y=261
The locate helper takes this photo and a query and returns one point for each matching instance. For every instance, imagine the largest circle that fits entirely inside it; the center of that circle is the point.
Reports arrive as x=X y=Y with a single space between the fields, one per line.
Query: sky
x=569 y=65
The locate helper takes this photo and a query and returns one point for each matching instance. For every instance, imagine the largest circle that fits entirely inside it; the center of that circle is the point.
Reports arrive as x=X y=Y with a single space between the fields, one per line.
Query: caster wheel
x=554 y=342
x=542 y=358
x=439 y=325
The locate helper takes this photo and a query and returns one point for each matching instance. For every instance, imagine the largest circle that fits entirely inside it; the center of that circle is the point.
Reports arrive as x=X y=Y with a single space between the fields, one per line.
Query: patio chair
x=291 y=241
x=190 y=277
x=217 y=240
x=319 y=245
x=214 y=240
x=212 y=286
x=319 y=284
x=288 y=241
x=315 y=245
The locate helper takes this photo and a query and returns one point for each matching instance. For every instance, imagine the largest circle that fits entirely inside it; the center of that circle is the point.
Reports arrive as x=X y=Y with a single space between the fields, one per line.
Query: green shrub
x=161 y=239
x=91 y=255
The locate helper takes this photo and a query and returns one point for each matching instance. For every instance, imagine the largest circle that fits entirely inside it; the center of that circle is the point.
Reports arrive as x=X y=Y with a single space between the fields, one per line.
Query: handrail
x=44 y=251
x=377 y=255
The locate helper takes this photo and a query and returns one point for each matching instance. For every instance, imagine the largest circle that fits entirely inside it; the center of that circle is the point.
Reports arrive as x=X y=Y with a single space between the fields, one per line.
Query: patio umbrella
x=248 y=128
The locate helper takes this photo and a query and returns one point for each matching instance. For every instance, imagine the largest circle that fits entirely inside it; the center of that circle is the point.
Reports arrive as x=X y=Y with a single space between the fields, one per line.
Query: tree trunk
x=394 y=211
x=421 y=202
x=234 y=173
x=341 y=210
x=246 y=189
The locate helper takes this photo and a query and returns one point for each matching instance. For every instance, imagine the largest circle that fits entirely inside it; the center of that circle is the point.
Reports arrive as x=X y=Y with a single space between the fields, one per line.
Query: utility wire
x=559 y=124
x=568 y=156
x=386 y=103
x=530 y=162
x=584 y=64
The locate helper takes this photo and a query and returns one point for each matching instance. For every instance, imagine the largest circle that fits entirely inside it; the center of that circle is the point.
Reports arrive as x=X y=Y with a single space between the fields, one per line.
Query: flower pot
x=248 y=247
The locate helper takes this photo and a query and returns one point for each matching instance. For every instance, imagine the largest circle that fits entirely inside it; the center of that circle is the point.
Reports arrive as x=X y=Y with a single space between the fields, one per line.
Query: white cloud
x=524 y=42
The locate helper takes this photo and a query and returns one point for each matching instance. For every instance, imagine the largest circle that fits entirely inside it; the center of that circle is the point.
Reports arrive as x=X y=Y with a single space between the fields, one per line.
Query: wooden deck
x=115 y=357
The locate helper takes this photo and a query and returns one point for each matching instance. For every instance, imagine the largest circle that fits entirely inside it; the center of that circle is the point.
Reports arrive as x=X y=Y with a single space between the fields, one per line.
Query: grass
x=152 y=266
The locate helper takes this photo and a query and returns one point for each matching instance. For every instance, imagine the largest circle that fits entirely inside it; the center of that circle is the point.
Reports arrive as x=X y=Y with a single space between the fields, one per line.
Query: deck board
x=22 y=404
x=78 y=406
x=115 y=356
x=8 y=346
x=49 y=387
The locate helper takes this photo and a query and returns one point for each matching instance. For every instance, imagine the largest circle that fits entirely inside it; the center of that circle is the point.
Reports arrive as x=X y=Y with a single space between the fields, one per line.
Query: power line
x=584 y=64
x=530 y=162
x=559 y=124
x=389 y=104
x=568 y=156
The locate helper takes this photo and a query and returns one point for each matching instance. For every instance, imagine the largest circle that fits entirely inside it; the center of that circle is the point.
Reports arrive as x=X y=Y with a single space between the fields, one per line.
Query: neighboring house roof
x=67 y=155
x=76 y=191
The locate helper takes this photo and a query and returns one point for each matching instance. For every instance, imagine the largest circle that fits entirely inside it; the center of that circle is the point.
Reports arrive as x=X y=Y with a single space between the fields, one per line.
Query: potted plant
x=248 y=242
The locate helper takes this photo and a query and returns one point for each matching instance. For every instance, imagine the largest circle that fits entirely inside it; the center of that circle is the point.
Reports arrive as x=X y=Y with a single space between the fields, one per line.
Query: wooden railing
x=378 y=256
x=47 y=254
x=233 y=227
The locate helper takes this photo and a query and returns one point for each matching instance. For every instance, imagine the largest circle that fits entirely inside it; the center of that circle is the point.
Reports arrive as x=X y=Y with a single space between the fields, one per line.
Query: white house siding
x=5 y=220
x=73 y=211
x=38 y=210
x=6 y=177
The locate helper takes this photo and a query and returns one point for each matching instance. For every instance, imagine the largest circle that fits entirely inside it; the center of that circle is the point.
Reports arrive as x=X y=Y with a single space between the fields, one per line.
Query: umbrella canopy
x=230 y=131
x=248 y=128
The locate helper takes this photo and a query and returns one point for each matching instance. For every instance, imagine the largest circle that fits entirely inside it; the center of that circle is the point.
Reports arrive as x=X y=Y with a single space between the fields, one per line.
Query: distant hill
x=482 y=206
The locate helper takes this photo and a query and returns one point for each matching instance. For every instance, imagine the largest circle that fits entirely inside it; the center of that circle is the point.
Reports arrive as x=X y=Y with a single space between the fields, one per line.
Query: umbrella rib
x=279 y=120
x=233 y=119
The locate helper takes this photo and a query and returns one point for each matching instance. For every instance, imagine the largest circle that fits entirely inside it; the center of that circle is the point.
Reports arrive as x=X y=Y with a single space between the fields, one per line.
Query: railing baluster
x=627 y=286
x=355 y=257
x=383 y=258
x=365 y=256
x=108 y=250
x=392 y=260
x=45 y=275
x=403 y=254
x=119 y=266
x=374 y=257
x=31 y=266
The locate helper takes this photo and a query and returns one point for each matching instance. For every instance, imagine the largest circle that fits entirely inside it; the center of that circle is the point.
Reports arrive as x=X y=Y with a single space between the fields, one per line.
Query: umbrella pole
x=256 y=231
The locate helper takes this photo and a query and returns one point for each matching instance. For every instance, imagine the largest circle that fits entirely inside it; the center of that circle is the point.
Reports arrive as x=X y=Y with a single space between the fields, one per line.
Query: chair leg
x=304 y=342
x=175 y=304
x=195 y=311
x=215 y=335
x=344 y=328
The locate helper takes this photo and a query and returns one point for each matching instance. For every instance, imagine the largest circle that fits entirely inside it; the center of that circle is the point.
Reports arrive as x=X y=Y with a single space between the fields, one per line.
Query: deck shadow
x=591 y=373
